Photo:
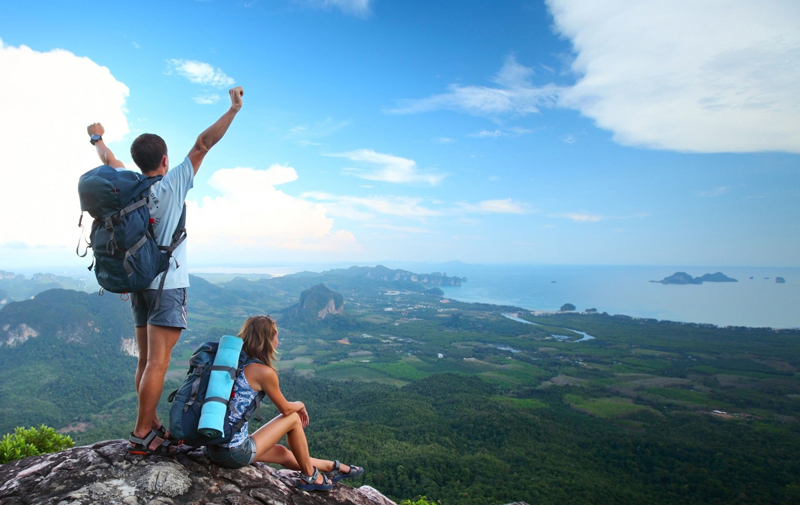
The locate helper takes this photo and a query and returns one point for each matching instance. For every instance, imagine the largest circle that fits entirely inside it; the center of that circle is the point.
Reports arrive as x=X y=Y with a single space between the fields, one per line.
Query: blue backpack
x=187 y=401
x=126 y=255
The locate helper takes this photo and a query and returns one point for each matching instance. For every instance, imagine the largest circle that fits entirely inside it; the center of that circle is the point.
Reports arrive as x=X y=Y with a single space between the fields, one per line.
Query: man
x=158 y=326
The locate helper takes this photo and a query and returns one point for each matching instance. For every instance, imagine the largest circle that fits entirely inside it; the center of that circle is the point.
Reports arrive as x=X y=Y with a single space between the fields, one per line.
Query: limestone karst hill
x=104 y=473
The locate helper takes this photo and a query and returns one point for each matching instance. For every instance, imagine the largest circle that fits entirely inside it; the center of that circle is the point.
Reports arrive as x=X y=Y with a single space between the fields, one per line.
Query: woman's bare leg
x=268 y=436
x=282 y=456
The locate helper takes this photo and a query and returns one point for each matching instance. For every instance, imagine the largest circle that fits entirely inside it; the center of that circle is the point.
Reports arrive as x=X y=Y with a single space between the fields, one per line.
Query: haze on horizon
x=555 y=132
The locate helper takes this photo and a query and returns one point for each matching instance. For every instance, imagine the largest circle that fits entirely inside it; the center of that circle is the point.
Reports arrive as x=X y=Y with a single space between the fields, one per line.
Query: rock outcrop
x=317 y=303
x=684 y=278
x=104 y=473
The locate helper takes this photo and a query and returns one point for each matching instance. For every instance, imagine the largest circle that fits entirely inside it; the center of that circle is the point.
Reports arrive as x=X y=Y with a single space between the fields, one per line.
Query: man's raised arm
x=214 y=133
x=96 y=131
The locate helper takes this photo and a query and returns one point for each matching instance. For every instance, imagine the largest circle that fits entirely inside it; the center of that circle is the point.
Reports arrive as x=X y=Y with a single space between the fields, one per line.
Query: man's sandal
x=336 y=475
x=162 y=432
x=141 y=446
x=310 y=482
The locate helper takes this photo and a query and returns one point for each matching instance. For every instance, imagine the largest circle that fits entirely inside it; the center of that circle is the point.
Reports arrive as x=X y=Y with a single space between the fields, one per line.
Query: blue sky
x=372 y=130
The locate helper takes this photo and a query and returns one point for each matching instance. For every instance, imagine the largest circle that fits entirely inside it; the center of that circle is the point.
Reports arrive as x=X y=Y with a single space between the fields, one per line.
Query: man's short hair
x=147 y=151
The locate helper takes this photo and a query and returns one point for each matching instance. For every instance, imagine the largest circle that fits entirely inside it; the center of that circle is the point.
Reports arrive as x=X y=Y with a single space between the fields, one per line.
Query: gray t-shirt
x=166 y=205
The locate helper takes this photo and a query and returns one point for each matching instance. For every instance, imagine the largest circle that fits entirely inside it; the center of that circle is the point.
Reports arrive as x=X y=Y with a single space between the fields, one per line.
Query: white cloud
x=444 y=140
x=709 y=76
x=503 y=132
x=579 y=218
x=46 y=101
x=514 y=94
x=389 y=168
x=199 y=72
x=365 y=208
x=316 y=130
x=359 y=8
x=714 y=192
x=506 y=206
x=206 y=99
x=136 y=45
x=252 y=217
x=569 y=139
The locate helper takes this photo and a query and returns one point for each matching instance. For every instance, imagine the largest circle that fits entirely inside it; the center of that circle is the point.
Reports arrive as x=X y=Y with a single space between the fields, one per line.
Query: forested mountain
x=18 y=287
x=61 y=356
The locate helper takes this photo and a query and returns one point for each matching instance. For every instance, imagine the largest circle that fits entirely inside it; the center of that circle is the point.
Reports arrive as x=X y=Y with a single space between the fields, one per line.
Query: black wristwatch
x=94 y=139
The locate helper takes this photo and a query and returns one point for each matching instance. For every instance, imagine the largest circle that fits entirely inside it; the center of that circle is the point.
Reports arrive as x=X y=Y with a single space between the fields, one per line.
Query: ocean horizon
x=756 y=302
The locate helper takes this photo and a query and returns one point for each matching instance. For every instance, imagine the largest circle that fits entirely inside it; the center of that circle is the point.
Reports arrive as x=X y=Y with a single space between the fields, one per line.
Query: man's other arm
x=105 y=154
x=215 y=132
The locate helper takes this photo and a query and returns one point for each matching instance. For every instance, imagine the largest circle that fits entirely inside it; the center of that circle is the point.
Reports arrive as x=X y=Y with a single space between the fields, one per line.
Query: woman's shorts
x=235 y=457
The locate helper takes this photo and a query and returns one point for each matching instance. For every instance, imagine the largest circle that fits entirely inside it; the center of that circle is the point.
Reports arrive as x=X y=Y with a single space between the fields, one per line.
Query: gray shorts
x=236 y=457
x=172 y=311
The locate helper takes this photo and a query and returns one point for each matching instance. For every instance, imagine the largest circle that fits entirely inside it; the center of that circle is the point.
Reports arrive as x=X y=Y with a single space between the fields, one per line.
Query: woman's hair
x=258 y=333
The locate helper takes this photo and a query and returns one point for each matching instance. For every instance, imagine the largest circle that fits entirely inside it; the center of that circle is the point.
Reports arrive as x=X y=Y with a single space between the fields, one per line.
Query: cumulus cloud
x=46 y=101
x=513 y=93
x=199 y=72
x=359 y=8
x=251 y=217
x=388 y=168
x=711 y=76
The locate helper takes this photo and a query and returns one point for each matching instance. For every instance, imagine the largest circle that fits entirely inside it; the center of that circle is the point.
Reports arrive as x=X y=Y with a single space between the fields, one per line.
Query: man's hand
x=105 y=154
x=95 y=128
x=236 y=97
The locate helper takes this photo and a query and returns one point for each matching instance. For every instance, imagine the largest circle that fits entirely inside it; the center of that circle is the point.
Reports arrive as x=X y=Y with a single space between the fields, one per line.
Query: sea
x=756 y=300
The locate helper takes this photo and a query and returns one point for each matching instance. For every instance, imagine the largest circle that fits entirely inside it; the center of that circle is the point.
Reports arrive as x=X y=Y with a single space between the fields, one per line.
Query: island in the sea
x=684 y=278
x=780 y=280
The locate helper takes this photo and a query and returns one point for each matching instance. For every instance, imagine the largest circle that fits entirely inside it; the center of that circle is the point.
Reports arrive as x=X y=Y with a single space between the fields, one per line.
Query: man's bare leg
x=141 y=342
x=160 y=341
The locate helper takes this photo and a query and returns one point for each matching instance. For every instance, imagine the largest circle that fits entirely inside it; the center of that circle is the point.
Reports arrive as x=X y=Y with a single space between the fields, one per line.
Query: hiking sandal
x=162 y=432
x=141 y=446
x=336 y=475
x=310 y=485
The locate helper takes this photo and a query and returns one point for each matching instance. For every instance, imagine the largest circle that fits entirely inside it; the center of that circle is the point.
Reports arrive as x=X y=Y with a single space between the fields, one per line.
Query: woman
x=260 y=335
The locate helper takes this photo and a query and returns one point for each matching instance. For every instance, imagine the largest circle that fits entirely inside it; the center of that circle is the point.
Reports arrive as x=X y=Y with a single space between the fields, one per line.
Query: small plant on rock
x=32 y=441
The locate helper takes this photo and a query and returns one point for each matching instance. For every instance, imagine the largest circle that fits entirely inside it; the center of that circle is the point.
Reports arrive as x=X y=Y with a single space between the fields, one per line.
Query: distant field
x=606 y=408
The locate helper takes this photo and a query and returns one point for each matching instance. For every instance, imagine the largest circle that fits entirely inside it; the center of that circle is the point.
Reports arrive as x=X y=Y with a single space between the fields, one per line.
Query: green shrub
x=32 y=442
x=420 y=500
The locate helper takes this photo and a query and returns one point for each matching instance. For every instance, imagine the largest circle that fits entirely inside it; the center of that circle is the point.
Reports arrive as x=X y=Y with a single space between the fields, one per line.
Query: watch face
x=94 y=138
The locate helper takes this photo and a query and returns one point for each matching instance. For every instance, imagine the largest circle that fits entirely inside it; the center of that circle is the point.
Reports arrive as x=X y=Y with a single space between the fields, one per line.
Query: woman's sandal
x=336 y=475
x=310 y=482
x=141 y=446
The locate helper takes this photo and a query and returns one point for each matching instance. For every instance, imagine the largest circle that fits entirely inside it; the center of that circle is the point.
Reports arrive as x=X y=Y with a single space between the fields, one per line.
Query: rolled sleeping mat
x=220 y=385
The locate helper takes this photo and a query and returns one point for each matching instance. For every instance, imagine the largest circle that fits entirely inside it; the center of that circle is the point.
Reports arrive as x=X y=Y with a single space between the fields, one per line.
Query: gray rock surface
x=104 y=473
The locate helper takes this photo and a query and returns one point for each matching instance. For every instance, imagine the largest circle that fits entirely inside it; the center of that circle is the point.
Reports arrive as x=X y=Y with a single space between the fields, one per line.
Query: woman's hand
x=303 y=413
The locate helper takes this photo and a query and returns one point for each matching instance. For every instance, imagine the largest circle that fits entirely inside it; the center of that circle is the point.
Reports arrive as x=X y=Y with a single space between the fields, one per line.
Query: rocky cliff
x=104 y=473
x=316 y=303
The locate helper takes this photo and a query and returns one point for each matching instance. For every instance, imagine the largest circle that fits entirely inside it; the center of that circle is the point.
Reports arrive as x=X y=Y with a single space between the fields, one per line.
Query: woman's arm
x=267 y=379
